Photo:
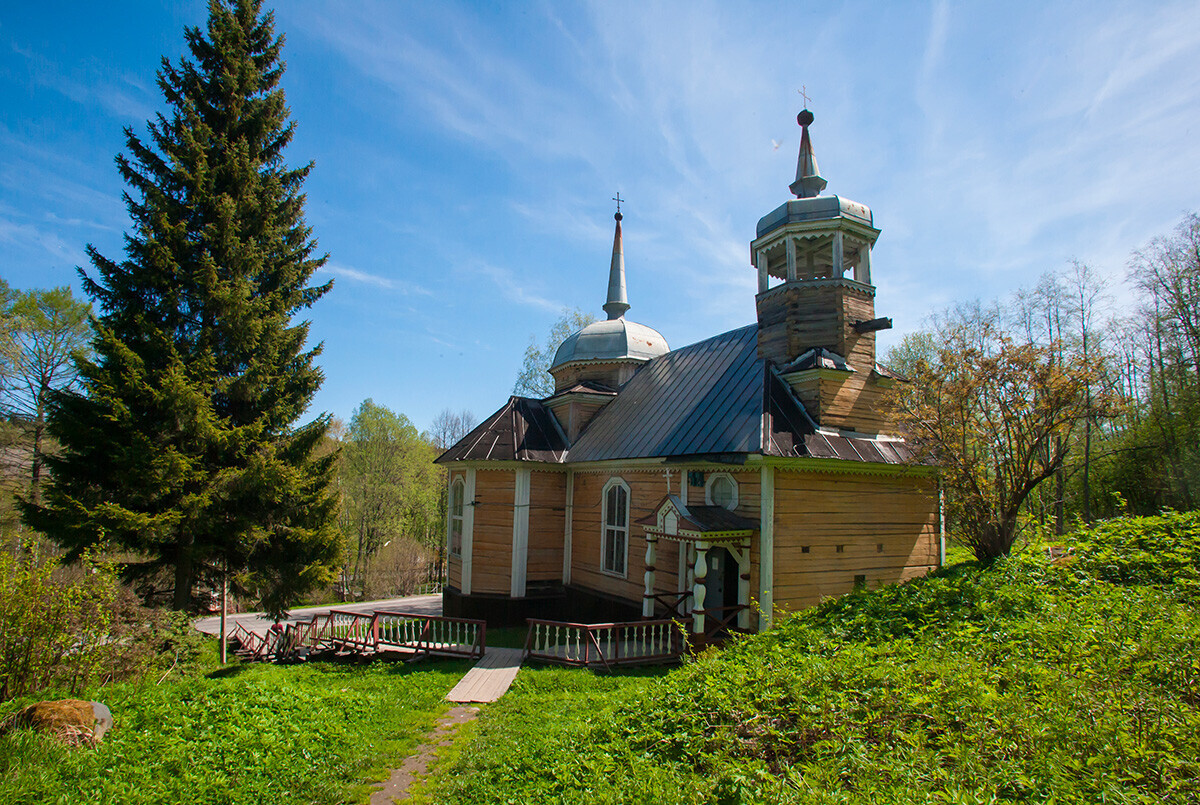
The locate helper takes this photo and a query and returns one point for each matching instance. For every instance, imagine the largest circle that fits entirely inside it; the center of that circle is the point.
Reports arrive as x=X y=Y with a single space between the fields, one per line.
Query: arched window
x=721 y=490
x=456 y=516
x=614 y=514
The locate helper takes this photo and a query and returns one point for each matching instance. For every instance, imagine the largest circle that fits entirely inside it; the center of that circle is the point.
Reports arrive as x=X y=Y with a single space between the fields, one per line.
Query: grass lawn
x=249 y=734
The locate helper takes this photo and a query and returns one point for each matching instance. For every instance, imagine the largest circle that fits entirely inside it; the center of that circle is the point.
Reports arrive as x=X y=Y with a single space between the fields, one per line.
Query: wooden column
x=863 y=272
x=566 y=571
x=839 y=257
x=520 y=540
x=648 y=576
x=743 y=560
x=698 y=591
x=766 y=547
x=468 y=535
x=791 y=259
x=764 y=279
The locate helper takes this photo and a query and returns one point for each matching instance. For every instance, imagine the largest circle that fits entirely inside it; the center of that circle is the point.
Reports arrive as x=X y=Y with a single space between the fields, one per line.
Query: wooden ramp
x=490 y=677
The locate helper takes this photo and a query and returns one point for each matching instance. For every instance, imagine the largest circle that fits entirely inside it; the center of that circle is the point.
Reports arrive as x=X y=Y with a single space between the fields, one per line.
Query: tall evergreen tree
x=182 y=448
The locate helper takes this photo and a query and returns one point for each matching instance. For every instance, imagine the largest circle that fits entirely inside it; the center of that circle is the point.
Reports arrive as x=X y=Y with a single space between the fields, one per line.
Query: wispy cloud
x=121 y=95
x=378 y=281
x=514 y=290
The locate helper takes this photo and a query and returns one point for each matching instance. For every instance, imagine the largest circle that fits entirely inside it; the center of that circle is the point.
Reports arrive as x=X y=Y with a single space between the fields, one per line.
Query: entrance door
x=721 y=584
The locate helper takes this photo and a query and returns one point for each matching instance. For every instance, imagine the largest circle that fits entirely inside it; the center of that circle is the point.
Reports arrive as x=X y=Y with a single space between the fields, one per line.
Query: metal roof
x=611 y=340
x=703 y=399
x=522 y=430
x=714 y=399
x=701 y=519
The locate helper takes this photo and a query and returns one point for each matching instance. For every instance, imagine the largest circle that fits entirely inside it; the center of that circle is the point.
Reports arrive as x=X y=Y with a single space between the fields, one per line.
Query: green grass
x=1018 y=682
x=251 y=734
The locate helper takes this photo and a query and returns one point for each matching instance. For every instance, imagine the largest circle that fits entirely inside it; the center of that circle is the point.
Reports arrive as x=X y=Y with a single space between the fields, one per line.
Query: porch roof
x=696 y=523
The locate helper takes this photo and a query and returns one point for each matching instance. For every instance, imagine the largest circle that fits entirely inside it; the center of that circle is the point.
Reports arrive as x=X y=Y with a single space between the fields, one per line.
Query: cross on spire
x=617 y=198
x=804 y=94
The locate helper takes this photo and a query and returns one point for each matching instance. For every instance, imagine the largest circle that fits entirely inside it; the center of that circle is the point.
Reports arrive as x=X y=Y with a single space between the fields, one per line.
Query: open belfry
x=717 y=483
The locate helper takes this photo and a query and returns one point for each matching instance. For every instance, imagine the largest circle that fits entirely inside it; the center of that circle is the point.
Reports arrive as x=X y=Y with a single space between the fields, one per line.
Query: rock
x=73 y=721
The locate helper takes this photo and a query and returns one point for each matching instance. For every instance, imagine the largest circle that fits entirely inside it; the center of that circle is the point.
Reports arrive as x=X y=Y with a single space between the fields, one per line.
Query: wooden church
x=725 y=481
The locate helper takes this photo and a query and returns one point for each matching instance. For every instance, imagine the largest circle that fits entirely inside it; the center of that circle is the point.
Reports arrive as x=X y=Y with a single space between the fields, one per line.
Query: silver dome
x=611 y=340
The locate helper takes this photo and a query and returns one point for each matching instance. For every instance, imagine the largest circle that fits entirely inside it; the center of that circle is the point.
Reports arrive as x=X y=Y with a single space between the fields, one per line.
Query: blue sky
x=466 y=155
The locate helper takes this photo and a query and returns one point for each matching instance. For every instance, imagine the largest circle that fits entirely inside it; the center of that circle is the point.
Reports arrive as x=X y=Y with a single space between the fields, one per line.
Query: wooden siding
x=646 y=490
x=547 y=510
x=860 y=514
x=491 y=558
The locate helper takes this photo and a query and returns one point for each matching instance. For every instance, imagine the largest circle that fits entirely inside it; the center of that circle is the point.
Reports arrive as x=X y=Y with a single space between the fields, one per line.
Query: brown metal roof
x=522 y=430
x=702 y=519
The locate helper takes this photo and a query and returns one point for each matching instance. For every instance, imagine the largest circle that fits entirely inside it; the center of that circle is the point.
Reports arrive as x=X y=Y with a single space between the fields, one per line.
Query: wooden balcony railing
x=604 y=645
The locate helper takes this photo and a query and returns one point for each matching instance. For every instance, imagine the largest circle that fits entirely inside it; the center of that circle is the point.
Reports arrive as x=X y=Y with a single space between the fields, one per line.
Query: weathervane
x=804 y=94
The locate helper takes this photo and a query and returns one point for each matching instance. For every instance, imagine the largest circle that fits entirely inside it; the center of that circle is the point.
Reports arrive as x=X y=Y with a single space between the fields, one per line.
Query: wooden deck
x=490 y=677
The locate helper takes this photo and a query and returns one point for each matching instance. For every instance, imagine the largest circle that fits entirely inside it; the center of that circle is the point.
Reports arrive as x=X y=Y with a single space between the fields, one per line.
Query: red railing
x=431 y=634
x=607 y=645
x=674 y=604
x=722 y=621
x=366 y=633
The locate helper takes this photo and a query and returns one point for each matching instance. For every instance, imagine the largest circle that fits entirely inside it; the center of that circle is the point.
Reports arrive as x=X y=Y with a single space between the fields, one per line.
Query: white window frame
x=708 y=485
x=605 y=527
x=457 y=485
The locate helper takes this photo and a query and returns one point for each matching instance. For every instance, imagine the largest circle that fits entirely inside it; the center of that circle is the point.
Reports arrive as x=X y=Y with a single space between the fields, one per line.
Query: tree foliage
x=390 y=487
x=534 y=379
x=994 y=411
x=182 y=448
x=43 y=331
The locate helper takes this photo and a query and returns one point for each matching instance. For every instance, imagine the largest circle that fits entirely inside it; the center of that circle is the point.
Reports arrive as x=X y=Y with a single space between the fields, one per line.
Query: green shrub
x=1162 y=550
x=69 y=630
x=1023 y=681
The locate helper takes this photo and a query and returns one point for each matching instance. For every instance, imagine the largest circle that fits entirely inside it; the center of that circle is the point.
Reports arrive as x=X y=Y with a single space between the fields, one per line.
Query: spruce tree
x=181 y=450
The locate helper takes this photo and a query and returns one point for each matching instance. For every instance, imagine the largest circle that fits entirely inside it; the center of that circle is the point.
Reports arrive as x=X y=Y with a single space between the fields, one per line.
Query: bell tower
x=817 y=325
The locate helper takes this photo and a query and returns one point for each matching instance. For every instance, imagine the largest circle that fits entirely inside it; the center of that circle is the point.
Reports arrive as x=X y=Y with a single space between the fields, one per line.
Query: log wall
x=491 y=556
x=547 y=517
x=885 y=527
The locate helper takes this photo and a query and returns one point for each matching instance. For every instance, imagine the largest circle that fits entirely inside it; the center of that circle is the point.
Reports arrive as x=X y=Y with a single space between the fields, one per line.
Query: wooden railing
x=366 y=633
x=722 y=621
x=607 y=645
x=675 y=604
x=431 y=634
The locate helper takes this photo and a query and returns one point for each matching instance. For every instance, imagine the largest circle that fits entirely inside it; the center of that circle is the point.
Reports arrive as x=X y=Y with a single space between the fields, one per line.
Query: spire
x=617 y=302
x=808 y=177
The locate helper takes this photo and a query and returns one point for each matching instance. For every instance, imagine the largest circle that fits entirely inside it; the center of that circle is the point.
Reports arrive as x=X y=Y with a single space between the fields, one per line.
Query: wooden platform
x=490 y=677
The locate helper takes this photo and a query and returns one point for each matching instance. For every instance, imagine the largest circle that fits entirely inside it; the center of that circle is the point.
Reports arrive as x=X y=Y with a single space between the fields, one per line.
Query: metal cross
x=618 y=199
x=804 y=94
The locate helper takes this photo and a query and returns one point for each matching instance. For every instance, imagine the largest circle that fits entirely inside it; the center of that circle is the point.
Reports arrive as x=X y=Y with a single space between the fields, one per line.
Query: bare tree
x=450 y=426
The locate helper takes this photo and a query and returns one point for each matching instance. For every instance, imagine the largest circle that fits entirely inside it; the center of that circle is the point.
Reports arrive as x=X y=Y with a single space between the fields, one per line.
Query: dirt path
x=416 y=765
